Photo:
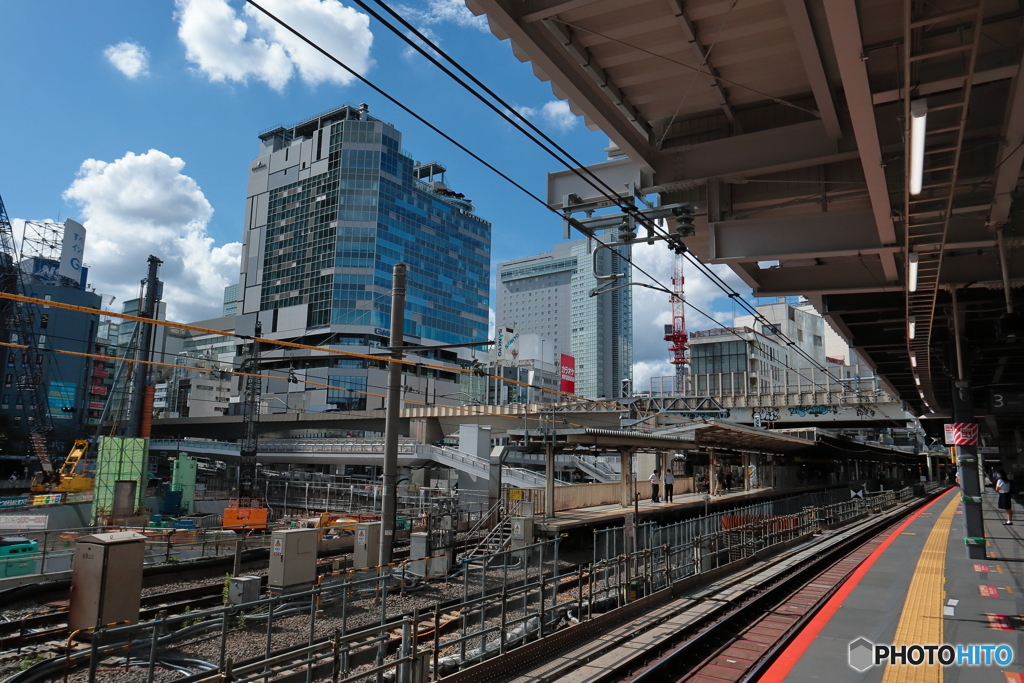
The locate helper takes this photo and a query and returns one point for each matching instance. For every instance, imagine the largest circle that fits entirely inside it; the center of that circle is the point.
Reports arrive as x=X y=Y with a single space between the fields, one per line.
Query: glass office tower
x=333 y=204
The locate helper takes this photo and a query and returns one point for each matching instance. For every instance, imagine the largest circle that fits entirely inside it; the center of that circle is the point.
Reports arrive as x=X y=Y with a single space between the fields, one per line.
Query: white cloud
x=443 y=11
x=556 y=113
x=142 y=204
x=652 y=310
x=411 y=53
x=226 y=46
x=130 y=59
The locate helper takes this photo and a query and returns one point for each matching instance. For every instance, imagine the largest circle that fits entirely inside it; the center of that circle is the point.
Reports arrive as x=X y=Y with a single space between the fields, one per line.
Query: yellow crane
x=68 y=479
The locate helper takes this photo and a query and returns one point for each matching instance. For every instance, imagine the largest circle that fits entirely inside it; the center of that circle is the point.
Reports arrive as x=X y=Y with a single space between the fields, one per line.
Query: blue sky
x=91 y=88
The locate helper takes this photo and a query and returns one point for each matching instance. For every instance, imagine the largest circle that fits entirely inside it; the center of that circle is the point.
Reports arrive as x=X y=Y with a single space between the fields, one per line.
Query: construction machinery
x=675 y=333
x=68 y=479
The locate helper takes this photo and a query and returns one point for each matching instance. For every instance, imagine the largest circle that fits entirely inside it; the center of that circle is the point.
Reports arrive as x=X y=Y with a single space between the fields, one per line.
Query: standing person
x=1004 y=503
x=654 y=486
x=670 y=479
x=720 y=478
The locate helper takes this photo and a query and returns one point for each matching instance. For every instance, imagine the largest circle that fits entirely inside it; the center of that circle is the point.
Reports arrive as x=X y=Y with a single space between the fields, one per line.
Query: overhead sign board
x=1006 y=402
x=961 y=434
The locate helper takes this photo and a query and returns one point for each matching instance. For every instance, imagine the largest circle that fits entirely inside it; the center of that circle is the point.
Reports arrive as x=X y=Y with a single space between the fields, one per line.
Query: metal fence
x=611 y=542
x=56 y=548
x=354 y=625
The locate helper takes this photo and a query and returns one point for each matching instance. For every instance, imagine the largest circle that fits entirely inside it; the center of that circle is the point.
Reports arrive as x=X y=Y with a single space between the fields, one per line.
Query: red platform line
x=792 y=654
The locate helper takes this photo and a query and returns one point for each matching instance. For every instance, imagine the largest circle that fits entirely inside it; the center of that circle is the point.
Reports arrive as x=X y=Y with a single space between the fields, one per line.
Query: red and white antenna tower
x=676 y=335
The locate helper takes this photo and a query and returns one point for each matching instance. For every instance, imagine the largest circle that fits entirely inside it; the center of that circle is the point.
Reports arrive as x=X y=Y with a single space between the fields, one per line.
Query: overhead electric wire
x=607 y=191
x=614 y=198
x=272 y=342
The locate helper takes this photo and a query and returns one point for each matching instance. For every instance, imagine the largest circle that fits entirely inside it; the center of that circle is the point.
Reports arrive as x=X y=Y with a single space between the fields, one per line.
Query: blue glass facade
x=332 y=238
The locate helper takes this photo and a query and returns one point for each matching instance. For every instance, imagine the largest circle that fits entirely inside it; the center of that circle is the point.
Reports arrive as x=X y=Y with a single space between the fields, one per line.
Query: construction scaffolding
x=121 y=479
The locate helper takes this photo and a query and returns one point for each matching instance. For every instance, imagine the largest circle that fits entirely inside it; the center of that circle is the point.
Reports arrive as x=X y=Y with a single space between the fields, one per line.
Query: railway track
x=740 y=646
x=51 y=625
x=698 y=633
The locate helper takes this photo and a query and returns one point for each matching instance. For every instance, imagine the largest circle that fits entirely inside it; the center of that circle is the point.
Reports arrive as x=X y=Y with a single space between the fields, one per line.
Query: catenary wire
x=614 y=198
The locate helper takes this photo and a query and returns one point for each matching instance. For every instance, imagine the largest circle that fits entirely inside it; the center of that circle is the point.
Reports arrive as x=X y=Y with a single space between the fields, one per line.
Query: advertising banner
x=20 y=522
x=567 y=373
x=507 y=344
x=72 y=249
x=13 y=502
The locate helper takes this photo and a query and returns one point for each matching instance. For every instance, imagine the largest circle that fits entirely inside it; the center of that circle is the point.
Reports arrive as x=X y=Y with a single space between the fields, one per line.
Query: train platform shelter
x=919 y=590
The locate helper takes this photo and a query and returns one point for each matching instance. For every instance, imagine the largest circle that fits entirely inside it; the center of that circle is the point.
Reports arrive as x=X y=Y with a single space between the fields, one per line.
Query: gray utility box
x=293 y=560
x=427 y=568
x=106 y=584
x=522 y=532
x=367 y=549
x=243 y=589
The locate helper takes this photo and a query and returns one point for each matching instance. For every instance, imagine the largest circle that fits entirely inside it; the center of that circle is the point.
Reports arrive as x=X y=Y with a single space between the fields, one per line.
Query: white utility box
x=292 y=560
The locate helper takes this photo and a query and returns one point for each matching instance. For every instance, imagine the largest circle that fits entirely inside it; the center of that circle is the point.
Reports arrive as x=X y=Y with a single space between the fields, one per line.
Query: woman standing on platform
x=1004 y=503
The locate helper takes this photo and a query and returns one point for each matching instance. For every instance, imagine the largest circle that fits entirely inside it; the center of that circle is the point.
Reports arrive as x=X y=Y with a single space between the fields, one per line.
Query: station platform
x=598 y=515
x=919 y=587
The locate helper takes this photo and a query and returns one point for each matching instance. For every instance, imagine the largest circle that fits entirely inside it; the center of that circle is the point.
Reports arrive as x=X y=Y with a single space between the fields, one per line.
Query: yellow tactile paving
x=921 y=619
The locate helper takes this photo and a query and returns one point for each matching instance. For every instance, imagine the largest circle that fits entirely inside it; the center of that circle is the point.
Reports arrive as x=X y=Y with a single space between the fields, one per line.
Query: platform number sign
x=961 y=434
x=1006 y=402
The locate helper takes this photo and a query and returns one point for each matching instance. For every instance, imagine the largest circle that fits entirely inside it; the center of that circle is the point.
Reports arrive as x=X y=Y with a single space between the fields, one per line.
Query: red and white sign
x=962 y=434
x=568 y=374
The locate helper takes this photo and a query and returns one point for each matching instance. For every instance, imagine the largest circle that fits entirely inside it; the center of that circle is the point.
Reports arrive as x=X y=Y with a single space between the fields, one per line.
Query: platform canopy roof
x=787 y=124
x=740 y=438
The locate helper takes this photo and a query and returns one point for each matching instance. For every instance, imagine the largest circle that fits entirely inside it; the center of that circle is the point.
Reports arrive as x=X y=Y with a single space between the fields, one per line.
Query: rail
x=508 y=598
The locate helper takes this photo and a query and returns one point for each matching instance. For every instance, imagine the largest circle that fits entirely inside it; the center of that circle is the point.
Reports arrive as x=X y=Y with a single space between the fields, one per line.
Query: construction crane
x=675 y=333
x=69 y=479
x=17 y=318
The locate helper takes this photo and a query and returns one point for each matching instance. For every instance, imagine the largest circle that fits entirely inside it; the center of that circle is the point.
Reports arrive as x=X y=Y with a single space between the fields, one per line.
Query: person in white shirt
x=669 y=479
x=1004 y=503
x=654 y=486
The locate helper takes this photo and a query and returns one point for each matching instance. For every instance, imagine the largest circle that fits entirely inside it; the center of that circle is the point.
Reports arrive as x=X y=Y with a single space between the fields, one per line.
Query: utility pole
x=252 y=385
x=140 y=376
x=393 y=414
x=967 y=456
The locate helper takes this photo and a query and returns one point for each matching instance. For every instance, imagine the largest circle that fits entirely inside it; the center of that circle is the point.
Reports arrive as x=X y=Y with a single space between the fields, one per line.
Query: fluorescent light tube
x=917 y=380
x=912 y=327
x=913 y=259
x=913 y=360
x=918 y=124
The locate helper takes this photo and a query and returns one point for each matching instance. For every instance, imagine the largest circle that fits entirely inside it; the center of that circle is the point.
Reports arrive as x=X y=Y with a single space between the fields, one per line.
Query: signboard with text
x=21 y=522
x=13 y=502
x=567 y=373
x=961 y=434
x=72 y=250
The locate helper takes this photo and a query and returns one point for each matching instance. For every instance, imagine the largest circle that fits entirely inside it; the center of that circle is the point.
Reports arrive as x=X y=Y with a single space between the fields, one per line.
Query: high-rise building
x=333 y=203
x=549 y=295
x=230 y=300
x=65 y=377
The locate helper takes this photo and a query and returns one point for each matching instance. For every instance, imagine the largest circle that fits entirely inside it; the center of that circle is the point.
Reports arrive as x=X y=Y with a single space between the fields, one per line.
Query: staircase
x=499 y=538
x=598 y=470
x=516 y=477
